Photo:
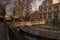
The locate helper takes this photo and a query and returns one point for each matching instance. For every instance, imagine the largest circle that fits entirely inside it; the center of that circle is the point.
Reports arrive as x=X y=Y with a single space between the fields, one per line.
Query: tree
x=16 y=8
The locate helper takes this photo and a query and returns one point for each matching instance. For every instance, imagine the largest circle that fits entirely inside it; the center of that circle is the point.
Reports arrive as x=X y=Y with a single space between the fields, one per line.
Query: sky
x=36 y=4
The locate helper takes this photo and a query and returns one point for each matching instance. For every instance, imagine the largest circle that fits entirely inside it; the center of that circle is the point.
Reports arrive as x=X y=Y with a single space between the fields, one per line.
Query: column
x=58 y=15
x=47 y=14
x=52 y=13
x=42 y=16
x=59 y=12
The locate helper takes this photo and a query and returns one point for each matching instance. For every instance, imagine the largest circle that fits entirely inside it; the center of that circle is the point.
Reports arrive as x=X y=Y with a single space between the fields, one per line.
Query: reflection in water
x=29 y=38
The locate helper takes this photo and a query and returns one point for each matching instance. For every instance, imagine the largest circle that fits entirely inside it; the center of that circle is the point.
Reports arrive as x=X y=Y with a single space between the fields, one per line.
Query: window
x=56 y=8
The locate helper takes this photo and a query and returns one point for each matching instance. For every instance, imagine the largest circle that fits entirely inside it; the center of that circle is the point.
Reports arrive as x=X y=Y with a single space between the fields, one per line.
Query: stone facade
x=49 y=11
x=34 y=16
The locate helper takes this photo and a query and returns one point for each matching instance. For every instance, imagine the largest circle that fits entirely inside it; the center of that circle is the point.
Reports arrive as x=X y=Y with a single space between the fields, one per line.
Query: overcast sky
x=36 y=4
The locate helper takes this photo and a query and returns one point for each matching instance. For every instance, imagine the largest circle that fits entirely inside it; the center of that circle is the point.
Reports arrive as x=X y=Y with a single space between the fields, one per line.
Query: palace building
x=49 y=9
x=34 y=16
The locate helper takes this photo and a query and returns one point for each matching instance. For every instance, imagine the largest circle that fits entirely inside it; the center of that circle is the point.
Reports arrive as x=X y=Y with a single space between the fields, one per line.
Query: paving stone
x=3 y=32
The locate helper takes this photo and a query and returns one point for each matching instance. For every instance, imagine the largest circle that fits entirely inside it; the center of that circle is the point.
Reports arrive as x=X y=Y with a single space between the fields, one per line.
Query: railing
x=46 y=30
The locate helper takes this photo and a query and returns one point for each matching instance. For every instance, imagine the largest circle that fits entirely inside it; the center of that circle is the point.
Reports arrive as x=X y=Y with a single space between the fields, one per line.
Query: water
x=26 y=36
